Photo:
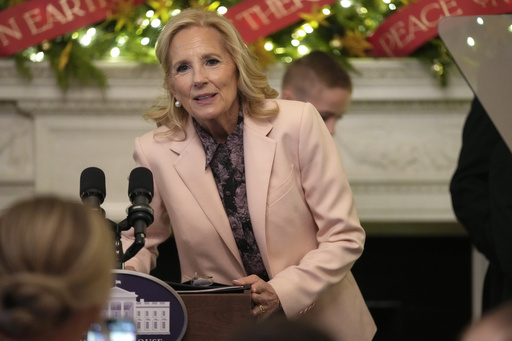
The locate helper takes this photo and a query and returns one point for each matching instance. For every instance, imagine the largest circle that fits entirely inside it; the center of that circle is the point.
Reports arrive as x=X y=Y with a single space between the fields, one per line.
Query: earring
x=177 y=104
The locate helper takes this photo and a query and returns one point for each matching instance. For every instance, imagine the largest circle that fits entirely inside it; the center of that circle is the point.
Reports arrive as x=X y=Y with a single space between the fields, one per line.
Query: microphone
x=140 y=214
x=92 y=188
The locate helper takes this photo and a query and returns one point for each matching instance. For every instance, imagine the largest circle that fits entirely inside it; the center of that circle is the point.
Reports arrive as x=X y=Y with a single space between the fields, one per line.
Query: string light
x=37 y=57
x=301 y=33
x=345 y=3
x=307 y=28
x=302 y=50
x=115 y=52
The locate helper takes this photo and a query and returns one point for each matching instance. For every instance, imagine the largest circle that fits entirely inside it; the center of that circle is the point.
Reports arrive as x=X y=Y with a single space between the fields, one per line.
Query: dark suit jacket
x=481 y=191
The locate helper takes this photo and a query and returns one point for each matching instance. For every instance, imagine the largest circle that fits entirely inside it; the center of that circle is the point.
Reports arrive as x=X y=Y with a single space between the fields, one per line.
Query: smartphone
x=113 y=329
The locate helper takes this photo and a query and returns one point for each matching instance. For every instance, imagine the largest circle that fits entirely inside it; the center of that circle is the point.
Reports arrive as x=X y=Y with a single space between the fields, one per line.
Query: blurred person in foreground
x=494 y=325
x=318 y=78
x=253 y=186
x=56 y=258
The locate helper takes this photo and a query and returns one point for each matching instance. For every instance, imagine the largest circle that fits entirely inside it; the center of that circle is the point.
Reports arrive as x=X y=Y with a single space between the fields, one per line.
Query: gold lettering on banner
x=276 y=9
x=33 y=17
x=402 y=32
x=53 y=15
x=69 y=11
x=92 y=7
x=279 y=9
x=247 y=16
x=12 y=31
x=484 y=3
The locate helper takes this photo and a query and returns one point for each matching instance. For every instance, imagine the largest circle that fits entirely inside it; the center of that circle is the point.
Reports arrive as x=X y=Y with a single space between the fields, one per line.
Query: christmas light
x=269 y=46
x=307 y=28
x=37 y=57
x=345 y=3
x=302 y=50
x=115 y=52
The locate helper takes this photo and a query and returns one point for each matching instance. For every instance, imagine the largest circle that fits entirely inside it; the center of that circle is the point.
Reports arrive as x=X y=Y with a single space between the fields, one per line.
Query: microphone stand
x=121 y=256
x=118 y=245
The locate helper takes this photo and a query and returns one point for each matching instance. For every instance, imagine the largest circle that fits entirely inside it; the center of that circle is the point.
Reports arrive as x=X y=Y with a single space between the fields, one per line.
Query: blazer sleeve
x=145 y=260
x=335 y=223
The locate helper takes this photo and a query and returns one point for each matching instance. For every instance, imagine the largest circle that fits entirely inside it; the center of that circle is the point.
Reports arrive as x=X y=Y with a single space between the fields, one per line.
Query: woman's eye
x=212 y=62
x=181 y=68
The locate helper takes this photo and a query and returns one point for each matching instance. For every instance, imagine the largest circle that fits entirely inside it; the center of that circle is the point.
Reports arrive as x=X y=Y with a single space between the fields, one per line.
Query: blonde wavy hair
x=253 y=86
x=56 y=258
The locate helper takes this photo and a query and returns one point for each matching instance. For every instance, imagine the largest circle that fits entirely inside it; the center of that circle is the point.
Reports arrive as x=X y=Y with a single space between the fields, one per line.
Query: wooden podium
x=215 y=316
x=163 y=313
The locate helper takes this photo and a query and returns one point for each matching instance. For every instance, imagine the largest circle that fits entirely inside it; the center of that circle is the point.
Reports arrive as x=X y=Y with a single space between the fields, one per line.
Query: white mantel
x=399 y=141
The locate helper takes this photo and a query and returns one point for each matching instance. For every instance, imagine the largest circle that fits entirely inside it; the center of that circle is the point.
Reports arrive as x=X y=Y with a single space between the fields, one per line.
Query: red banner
x=258 y=18
x=414 y=25
x=32 y=22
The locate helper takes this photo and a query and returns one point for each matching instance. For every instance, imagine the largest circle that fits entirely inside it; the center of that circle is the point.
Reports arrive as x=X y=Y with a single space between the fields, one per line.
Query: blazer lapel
x=190 y=165
x=259 y=151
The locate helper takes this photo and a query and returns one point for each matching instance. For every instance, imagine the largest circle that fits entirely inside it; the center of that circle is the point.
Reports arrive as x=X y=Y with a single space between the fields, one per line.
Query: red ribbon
x=34 y=21
x=414 y=25
x=256 y=19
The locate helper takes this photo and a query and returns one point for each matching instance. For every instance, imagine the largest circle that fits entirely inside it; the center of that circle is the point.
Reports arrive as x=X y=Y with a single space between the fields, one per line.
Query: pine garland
x=343 y=33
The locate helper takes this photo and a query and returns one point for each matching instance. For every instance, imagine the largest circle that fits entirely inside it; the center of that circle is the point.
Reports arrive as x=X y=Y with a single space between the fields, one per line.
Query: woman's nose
x=200 y=77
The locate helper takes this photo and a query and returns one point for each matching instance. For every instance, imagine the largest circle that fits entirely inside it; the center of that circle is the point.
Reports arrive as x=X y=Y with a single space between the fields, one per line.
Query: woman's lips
x=204 y=98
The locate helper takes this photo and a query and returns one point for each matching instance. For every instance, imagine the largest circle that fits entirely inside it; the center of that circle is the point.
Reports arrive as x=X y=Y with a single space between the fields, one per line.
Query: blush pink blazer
x=301 y=207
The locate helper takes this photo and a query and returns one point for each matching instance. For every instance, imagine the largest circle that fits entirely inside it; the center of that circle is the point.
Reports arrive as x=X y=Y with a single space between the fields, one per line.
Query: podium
x=215 y=316
x=163 y=313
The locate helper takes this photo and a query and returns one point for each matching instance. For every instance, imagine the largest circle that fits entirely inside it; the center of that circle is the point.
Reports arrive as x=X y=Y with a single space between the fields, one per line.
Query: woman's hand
x=263 y=296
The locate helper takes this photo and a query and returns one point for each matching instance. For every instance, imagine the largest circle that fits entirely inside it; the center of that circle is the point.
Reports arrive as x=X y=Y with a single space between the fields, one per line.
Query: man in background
x=318 y=78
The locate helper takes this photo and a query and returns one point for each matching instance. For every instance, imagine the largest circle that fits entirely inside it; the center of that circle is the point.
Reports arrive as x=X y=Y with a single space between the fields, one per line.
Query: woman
x=56 y=259
x=253 y=187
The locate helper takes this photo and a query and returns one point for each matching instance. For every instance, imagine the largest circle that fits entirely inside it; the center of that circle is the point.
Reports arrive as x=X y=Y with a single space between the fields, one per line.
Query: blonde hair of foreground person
x=56 y=258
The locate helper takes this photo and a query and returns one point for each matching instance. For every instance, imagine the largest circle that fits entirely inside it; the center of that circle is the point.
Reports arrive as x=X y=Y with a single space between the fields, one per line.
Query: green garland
x=72 y=61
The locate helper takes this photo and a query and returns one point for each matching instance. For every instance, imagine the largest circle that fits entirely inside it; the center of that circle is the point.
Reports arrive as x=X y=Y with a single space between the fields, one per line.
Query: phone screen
x=116 y=329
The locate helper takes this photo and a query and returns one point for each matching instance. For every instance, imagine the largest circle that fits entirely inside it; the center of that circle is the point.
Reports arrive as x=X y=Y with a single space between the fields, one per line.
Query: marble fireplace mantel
x=399 y=141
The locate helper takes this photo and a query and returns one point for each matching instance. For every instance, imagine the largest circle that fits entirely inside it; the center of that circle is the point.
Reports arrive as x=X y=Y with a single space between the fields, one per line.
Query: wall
x=399 y=141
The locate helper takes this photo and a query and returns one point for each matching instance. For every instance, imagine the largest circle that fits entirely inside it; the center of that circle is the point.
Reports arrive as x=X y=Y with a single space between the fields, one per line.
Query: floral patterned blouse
x=226 y=161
